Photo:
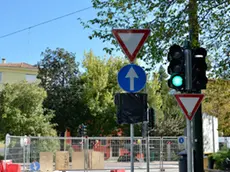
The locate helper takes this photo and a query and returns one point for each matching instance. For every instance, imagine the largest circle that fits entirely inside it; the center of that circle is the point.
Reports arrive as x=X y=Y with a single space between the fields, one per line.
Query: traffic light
x=152 y=118
x=199 y=67
x=84 y=130
x=131 y=107
x=80 y=130
x=176 y=68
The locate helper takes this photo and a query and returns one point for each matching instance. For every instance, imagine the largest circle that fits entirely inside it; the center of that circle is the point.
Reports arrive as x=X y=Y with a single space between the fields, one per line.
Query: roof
x=18 y=65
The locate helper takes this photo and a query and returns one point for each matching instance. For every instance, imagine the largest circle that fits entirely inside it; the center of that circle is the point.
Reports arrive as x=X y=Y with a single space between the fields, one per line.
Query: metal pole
x=188 y=66
x=189 y=146
x=24 y=163
x=131 y=147
x=192 y=125
x=6 y=145
x=147 y=151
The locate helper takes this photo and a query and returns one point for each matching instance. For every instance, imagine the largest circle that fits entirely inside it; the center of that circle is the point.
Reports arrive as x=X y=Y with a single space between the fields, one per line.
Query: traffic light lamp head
x=176 y=82
x=176 y=68
x=175 y=53
x=199 y=67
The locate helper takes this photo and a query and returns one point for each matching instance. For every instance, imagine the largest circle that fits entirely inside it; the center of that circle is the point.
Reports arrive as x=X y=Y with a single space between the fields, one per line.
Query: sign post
x=131 y=78
x=189 y=103
x=131 y=147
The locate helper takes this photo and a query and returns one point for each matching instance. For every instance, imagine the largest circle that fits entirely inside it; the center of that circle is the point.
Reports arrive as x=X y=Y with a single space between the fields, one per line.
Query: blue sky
x=65 y=33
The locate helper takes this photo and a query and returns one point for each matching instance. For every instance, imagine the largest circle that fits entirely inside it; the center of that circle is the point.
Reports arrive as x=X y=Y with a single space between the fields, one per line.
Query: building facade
x=16 y=72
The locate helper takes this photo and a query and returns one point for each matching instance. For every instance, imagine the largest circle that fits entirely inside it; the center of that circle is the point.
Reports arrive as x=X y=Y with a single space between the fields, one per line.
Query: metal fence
x=163 y=151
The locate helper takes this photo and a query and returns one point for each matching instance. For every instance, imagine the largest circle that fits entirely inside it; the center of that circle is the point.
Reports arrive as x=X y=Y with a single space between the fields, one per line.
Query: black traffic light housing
x=82 y=130
x=176 y=68
x=131 y=107
x=152 y=118
x=199 y=68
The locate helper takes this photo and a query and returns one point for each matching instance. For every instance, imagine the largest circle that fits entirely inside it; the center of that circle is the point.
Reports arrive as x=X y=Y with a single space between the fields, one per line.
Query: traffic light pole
x=197 y=138
x=198 y=141
x=188 y=87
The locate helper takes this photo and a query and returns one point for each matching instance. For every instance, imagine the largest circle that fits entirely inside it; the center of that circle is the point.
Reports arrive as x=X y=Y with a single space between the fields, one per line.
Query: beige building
x=15 y=72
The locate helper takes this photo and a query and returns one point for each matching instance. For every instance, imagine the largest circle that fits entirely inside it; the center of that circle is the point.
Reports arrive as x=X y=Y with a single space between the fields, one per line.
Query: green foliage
x=60 y=77
x=216 y=103
x=170 y=22
x=220 y=159
x=170 y=121
x=21 y=111
x=171 y=126
x=100 y=86
x=43 y=145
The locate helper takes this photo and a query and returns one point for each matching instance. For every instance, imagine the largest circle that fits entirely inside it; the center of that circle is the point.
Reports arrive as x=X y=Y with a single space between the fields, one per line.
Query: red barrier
x=13 y=168
x=1 y=167
x=118 y=170
x=3 y=164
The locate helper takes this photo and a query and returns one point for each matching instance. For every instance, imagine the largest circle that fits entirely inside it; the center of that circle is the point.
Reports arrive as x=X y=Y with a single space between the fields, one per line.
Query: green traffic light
x=177 y=81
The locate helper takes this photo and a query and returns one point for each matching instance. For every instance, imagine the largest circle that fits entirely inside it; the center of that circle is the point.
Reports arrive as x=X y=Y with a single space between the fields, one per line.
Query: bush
x=220 y=159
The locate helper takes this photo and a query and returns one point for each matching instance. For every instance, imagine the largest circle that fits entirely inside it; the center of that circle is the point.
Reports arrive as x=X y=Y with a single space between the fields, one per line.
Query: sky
x=65 y=33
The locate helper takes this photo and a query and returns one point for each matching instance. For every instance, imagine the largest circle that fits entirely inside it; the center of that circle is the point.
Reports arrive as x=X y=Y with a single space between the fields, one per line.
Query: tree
x=170 y=22
x=171 y=121
x=60 y=77
x=154 y=96
x=100 y=86
x=21 y=111
x=216 y=103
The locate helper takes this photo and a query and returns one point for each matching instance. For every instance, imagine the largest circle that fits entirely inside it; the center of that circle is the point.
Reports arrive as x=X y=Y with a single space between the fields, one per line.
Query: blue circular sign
x=34 y=166
x=181 y=140
x=131 y=78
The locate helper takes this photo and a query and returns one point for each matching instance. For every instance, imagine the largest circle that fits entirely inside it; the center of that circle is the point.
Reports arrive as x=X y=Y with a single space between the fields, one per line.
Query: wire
x=45 y=22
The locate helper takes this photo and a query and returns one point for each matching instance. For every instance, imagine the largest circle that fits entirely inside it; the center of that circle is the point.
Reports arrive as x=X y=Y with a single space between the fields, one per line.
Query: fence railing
x=92 y=153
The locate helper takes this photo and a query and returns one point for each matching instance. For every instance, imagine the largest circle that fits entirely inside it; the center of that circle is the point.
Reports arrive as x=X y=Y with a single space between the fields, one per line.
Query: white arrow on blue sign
x=131 y=78
x=181 y=140
x=34 y=166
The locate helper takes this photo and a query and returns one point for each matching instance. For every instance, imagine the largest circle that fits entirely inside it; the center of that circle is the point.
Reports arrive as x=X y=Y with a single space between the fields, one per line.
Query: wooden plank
x=78 y=160
x=97 y=161
x=46 y=161
x=62 y=160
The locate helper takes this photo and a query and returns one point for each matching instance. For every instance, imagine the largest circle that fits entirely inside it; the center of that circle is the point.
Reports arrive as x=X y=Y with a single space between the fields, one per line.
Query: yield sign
x=131 y=40
x=189 y=103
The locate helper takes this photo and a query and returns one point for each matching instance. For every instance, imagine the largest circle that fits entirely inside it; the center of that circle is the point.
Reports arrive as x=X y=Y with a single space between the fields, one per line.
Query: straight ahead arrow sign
x=131 y=75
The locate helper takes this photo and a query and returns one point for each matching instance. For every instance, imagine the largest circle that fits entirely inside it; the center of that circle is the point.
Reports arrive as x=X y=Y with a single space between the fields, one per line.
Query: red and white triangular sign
x=131 y=40
x=189 y=103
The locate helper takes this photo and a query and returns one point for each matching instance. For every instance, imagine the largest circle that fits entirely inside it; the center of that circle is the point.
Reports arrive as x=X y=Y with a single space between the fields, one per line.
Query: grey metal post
x=189 y=146
x=24 y=161
x=131 y=147
x=188 y=87
x=188 y=67
x=147 y=141
x=6 y=145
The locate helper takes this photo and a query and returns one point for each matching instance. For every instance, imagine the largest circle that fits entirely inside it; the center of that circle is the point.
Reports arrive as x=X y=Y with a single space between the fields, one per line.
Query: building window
x=31 y=78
